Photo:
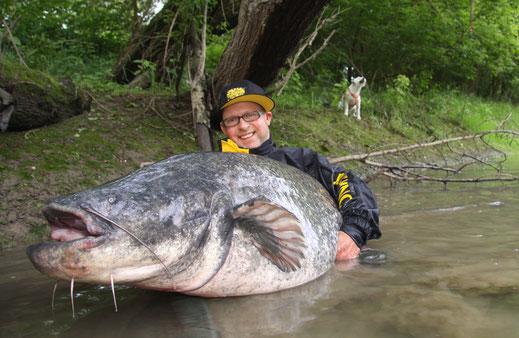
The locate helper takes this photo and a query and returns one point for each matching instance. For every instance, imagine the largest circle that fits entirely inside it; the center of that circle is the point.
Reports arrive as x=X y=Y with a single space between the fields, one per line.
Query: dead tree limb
x=165 y=56
x=362 y=157
x=409 y=171
x=307 y=42
x=500 y=177
x=8 y=31
x=32 y=99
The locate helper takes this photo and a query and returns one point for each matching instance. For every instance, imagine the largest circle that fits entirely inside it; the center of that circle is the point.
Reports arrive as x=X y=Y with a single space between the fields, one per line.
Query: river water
x=451 y=270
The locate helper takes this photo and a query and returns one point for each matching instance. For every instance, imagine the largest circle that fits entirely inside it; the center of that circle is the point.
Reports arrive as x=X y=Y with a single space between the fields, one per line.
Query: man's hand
x=346 y=247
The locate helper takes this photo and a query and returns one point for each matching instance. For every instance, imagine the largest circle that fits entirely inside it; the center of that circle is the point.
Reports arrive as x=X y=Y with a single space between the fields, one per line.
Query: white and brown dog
x=351 y=99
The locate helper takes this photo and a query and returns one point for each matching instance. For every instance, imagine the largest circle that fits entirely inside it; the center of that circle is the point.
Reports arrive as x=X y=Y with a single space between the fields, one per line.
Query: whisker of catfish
x=72 y=297
x=113 y=291
x=54 y=294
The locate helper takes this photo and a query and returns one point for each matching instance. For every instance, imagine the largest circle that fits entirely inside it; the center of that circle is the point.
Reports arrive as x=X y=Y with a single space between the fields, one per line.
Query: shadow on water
x=452 y=271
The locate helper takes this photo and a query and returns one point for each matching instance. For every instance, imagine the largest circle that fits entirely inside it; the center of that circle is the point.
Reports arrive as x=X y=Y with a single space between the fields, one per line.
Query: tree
x=470 y=45
x=267 y=34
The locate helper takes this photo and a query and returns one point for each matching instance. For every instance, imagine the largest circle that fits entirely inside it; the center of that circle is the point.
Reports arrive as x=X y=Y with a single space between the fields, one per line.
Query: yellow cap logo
x=235 y=92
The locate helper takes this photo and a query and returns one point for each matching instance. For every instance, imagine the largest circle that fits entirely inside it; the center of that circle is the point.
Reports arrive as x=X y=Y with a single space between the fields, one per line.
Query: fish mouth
x=75 y=225
x=83 y=248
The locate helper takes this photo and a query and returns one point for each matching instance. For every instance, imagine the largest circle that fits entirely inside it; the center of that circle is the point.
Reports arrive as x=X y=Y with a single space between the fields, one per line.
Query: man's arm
x=354 y=198
x=356 y=201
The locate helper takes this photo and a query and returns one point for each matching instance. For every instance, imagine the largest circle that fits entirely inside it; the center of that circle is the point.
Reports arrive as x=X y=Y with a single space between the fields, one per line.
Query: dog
x=351 y=99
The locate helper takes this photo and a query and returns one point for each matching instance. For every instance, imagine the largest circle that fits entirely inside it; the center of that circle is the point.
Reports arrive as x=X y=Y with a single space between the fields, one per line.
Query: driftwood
x=31 y=99
x=396 y=164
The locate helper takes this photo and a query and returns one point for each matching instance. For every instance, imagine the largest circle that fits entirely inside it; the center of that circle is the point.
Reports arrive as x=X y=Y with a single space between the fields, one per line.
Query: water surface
x=452 y=270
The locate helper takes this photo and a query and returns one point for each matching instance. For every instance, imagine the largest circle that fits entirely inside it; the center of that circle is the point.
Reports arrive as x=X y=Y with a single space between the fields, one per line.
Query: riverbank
x=123 y=131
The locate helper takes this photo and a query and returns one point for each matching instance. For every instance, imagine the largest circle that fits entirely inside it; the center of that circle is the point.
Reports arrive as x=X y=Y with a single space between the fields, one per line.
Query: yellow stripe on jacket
x=344 y=188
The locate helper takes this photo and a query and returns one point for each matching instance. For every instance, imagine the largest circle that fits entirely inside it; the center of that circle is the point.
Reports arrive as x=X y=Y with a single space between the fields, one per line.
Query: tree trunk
x=31 y=99
x=267 y=34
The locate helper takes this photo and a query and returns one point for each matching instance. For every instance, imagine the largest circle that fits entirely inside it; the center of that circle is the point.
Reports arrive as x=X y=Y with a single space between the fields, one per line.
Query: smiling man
x=244 y=117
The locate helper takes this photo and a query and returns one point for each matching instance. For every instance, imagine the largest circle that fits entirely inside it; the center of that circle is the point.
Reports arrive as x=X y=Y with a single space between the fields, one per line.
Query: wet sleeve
x=358 y=207
x=354 y=198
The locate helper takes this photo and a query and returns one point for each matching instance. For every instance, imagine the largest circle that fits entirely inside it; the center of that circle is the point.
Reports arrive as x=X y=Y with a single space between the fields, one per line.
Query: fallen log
x=32 y=99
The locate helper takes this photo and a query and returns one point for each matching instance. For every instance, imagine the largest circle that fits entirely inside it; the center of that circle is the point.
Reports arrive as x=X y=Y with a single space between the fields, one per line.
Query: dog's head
x=359 y=82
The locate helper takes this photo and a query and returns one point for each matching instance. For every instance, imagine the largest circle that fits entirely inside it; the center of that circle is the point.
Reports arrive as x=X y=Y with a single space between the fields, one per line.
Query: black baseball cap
x=243 y=91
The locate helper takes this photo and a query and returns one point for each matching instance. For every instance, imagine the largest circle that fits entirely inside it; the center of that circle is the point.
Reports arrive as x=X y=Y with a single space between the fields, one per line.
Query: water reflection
x=452 y=270
x=147 y=313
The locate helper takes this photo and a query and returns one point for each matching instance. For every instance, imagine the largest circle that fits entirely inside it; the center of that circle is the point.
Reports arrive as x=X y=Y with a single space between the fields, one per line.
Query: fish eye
x=111 y=200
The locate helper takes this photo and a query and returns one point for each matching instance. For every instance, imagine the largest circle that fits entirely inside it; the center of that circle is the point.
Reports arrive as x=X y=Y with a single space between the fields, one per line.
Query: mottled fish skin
x=206 y=224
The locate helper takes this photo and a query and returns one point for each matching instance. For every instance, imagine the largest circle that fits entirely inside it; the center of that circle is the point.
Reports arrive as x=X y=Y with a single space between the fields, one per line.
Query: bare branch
x=167 y=45
x=499 y=178
x=308 y=43
x=362 y=157
x=14 y=43
x=410 y=171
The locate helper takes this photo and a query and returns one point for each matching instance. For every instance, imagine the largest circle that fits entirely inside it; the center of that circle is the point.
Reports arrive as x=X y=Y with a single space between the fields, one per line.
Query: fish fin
x=275 y=232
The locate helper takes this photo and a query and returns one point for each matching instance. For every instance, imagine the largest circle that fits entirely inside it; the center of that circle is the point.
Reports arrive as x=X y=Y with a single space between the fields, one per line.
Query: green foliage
x=401 y=84
x=430 y=42
x=68 y=37
x=423 y=81
x=298 y=93
x=146 y=66
x=405 y=48
x=397 y=109
x=215 y=48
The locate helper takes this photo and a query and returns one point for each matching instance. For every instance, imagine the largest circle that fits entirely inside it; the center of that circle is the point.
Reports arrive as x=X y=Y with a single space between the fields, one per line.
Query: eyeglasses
x=247 y=117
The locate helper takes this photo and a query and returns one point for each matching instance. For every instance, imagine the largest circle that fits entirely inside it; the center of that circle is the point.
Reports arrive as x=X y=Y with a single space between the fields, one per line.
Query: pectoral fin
x=275 y=231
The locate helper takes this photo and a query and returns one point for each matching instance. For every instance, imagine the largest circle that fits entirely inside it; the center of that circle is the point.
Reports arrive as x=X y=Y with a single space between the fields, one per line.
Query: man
x=244 y=117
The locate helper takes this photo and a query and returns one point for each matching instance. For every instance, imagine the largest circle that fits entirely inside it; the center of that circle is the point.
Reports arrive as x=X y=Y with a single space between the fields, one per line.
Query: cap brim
x=266 y=102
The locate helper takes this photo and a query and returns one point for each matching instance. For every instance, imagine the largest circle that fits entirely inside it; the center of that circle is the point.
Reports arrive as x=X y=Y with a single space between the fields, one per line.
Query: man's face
x=247 y=134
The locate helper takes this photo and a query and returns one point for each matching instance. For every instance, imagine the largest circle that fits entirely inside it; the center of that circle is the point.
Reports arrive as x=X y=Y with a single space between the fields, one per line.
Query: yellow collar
x=229 y=146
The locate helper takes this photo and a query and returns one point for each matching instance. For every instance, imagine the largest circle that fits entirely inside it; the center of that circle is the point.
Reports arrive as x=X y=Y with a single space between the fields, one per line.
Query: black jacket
x=354 y=198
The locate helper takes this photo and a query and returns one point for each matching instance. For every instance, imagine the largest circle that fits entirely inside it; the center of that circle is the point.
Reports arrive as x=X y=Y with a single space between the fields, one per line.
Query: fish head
x=148 y=227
